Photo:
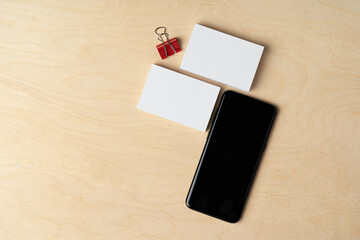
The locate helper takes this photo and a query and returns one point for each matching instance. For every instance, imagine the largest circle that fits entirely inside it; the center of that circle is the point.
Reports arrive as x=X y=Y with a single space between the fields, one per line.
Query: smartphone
x=232 y=152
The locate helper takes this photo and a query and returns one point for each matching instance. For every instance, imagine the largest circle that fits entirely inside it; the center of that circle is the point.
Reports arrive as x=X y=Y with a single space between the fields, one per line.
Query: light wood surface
x=79 y=161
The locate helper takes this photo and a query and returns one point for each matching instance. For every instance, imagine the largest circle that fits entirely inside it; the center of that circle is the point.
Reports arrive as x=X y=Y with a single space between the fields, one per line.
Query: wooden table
x=79 y=161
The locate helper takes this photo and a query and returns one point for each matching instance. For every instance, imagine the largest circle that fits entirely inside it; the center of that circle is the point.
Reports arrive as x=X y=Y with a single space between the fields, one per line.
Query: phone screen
x=231 y=155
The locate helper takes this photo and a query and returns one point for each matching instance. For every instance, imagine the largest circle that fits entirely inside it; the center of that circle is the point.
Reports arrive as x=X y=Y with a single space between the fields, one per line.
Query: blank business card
x=222 y=57
x=179 y=98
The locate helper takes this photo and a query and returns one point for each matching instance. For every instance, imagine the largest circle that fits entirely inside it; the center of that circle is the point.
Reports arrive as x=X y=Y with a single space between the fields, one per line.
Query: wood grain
x=79 y=161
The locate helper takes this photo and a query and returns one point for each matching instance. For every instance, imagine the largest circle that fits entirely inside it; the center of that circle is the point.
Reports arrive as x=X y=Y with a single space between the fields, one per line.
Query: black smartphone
x=232 y=152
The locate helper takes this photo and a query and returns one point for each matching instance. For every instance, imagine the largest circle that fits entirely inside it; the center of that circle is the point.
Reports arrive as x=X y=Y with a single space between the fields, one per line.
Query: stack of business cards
x=222 y=57
x=179 y=98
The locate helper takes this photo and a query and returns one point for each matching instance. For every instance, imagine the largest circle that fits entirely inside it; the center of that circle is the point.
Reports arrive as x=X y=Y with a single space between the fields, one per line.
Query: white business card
x=179 y=98
x=222 y=57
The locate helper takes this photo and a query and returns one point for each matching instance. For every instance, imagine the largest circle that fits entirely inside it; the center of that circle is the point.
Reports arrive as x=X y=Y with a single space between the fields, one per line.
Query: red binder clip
x=168 y=48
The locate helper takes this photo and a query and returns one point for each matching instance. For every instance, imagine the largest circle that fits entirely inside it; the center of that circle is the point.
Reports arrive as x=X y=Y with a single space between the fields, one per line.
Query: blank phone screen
x=231 y=155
